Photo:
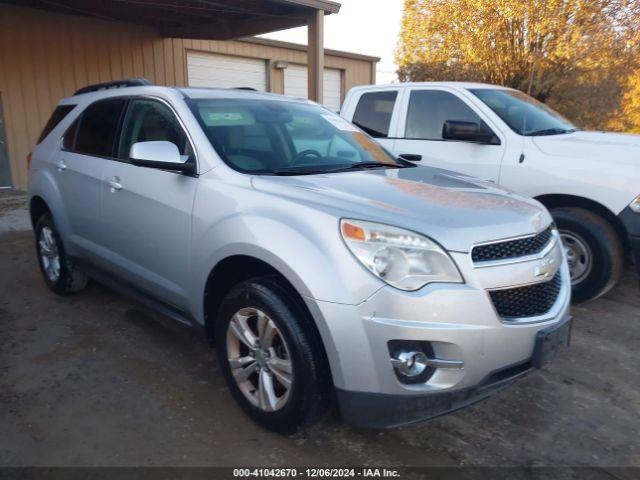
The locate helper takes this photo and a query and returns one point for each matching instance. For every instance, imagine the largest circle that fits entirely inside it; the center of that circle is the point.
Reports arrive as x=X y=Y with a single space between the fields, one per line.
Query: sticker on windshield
x=340 y=123
x=223 y=117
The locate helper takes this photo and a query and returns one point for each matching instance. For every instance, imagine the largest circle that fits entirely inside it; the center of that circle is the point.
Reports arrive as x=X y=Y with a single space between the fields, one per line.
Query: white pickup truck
x=590 y=181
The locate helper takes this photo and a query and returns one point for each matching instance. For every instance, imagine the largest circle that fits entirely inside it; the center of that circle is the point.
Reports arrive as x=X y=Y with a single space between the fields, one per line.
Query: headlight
x=635 y=204
x=401 y=258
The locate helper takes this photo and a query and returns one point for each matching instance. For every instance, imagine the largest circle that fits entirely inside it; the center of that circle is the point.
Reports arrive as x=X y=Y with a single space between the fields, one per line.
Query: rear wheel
x=59 y=272
x=594 y=252
x=272 y=357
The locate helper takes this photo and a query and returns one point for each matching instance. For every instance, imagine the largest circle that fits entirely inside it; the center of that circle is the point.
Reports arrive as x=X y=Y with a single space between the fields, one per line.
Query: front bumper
x=460 y=323
x=375 y=410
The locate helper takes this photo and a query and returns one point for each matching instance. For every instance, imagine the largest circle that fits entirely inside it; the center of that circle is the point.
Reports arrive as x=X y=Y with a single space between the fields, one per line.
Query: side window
x=429 y=109
x=57 y=116
x=150 y=120
x=373 y=113
x=96 y=131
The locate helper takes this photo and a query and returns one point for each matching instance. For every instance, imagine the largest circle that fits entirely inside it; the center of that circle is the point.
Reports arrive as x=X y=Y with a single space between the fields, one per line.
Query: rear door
x=422 y=117
x=78 y=168
x=147 y=211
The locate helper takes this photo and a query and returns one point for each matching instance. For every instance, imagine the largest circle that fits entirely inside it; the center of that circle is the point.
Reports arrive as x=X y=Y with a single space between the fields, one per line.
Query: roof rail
x=127 y=82
x=249 y=89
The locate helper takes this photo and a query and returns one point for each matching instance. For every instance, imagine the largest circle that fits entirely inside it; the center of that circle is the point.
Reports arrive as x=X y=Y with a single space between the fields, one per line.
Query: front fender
x=308 y=252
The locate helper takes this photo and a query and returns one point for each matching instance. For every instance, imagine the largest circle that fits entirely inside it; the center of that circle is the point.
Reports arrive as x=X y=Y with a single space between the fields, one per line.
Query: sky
x=369 y=27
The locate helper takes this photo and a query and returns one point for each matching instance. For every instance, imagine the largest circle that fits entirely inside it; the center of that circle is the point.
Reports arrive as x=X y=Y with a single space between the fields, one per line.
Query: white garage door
x=225 y=71
x=295 y=84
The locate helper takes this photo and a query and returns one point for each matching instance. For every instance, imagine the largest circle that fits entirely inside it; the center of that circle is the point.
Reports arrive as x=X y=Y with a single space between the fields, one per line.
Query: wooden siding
x=46 y=56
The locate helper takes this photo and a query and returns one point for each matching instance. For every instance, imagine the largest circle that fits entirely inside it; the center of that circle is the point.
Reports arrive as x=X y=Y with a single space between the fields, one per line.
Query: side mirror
x=410 y=157
x=159 y=154
x=468 y=132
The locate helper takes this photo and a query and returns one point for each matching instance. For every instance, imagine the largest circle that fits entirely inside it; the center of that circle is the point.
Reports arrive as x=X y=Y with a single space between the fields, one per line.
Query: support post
x=315 y=55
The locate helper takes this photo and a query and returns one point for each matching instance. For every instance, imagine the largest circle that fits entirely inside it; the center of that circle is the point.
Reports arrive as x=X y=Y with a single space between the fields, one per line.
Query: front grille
x=511 y=248
x=529 y=301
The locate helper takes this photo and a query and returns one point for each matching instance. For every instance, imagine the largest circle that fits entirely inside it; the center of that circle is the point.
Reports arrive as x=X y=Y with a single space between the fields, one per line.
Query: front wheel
x=272 y=357
x=594 y=252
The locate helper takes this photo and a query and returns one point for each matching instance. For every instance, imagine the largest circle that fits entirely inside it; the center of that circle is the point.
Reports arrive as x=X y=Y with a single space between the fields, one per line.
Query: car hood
x=612 y=147
x=456 y=210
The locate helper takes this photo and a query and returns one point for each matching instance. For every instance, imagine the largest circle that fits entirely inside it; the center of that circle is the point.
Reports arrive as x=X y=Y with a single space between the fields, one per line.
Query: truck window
x=429 y=109
x=373 y=113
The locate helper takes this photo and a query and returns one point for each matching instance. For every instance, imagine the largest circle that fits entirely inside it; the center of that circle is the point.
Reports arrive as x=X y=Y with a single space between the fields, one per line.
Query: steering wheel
x=306 y=153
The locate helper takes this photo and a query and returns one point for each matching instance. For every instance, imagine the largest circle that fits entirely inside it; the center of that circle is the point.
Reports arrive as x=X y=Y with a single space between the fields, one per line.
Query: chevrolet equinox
x=323 y=269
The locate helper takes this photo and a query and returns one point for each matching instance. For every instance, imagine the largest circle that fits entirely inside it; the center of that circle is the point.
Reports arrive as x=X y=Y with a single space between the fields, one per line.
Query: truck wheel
x=594 y=252
x=272 y=356
x=59 y=273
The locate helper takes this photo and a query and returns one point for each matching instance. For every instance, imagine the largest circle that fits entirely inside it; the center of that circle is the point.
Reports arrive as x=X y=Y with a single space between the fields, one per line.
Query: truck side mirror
x=469 y=132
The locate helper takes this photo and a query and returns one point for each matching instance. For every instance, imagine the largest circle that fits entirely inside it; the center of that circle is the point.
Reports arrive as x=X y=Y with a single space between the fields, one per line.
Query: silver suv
x=321 y=268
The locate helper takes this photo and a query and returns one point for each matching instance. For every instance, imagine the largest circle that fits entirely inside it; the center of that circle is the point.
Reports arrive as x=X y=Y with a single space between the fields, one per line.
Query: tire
x=58 y=271
x=310 y=395
x=602 y=254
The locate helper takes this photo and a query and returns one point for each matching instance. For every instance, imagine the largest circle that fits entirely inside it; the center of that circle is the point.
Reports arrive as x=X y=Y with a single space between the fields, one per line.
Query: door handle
x=62 y=166
x=115 y=184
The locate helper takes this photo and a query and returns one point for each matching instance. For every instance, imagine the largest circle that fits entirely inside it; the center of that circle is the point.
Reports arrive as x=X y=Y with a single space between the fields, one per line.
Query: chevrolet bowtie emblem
x=545 y=268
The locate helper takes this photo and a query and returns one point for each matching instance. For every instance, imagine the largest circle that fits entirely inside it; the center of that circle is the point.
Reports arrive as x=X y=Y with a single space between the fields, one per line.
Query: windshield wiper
x=550 y=131
x=284 y=172
x=365 y=166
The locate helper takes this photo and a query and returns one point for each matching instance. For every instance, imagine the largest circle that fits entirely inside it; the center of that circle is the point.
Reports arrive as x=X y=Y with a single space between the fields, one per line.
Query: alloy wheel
x=49 y=255
x=259 y=359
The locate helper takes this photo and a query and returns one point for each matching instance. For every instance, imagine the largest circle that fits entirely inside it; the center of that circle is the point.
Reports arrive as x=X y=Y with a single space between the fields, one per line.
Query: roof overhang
x=203 y=19
x=303 y=48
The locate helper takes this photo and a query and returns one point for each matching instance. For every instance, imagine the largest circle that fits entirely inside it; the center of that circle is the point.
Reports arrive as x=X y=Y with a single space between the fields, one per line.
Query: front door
x=5 y=172
x=420 y=132
x=147 y=211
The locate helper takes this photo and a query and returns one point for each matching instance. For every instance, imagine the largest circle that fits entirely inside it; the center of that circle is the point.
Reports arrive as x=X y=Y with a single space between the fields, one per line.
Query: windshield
x=523 y=114
x=286 y=138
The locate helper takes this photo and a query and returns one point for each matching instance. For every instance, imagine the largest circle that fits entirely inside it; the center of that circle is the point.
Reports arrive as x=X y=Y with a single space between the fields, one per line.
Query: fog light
x=415 y=362
x=410 y=364
x=410 y=360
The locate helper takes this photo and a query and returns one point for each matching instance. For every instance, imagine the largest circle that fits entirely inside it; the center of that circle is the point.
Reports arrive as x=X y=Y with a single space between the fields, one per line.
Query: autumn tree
x=627 y=118
x=572 y=54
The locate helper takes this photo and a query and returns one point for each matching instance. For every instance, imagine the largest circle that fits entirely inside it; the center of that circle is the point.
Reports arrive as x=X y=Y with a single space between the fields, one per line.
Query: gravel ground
x=94 y=379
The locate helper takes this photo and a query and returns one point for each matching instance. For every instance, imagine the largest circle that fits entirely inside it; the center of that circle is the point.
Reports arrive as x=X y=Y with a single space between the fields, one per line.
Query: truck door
x=422 y=117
